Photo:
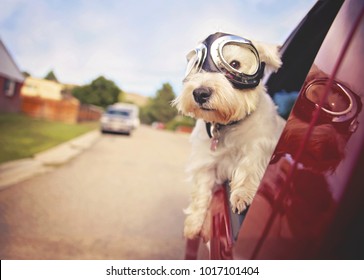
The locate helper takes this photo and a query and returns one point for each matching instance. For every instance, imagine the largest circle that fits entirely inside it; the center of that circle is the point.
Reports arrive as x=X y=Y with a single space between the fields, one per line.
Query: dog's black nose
x=202 y=95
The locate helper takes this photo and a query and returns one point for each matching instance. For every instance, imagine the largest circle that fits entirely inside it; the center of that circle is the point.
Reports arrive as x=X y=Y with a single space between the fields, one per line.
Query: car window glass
x=119 y=113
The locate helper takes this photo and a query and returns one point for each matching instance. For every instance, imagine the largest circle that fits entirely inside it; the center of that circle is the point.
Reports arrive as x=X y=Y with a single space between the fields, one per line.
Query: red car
x=309 y=204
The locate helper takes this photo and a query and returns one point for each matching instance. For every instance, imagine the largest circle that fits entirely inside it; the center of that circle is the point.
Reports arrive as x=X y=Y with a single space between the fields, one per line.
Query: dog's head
x=222 y=82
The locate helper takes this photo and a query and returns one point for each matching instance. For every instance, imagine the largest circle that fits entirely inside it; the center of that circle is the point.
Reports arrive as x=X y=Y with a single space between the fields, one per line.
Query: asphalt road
x=120 y=199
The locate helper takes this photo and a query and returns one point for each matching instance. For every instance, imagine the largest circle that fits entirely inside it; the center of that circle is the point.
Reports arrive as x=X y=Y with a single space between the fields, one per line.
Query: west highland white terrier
x=237 y=124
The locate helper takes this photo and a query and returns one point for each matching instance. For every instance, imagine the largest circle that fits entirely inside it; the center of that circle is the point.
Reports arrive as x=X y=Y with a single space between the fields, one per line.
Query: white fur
x=244 y=149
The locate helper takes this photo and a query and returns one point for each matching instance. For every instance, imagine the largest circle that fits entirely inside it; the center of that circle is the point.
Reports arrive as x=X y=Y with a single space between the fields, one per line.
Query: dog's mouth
x=203 y=108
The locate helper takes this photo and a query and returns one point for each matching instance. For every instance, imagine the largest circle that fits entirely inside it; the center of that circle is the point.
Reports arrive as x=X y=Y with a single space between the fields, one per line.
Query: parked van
x=120 y=117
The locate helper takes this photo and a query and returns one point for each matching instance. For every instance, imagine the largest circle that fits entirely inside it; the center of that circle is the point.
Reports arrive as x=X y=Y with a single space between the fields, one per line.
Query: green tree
x=159 y=108
x=101 y=92
x=146 y=113
x=51 y=76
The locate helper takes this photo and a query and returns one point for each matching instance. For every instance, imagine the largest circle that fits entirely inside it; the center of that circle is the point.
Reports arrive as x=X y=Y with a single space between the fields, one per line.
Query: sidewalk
x=19 y=170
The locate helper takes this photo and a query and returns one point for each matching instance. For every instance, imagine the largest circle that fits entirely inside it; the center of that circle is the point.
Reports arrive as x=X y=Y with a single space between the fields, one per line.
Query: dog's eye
x=235 y=64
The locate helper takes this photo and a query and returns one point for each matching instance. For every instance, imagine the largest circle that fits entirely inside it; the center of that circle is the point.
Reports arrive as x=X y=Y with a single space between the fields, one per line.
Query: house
x=11 y=81
x=42 y=88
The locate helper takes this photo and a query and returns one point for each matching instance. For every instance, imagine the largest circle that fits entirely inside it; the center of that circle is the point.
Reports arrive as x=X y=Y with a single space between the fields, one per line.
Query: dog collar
x=213 y=131
x=213 y=128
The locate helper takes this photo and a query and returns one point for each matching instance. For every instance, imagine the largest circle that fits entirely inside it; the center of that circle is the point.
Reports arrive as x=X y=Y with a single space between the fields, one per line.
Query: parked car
x=309 y=204
x=121 y=118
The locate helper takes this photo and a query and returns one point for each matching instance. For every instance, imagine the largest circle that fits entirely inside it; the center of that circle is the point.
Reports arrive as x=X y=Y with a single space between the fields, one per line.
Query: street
x=121 y=199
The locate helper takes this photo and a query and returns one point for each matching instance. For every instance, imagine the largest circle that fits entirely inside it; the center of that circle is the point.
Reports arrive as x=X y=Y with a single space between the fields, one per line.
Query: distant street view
x=115 y=197
x=120 y=199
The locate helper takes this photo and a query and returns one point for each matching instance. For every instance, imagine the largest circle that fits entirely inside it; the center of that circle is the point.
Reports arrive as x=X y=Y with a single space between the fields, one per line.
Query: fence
x=89 y=113
x=67 y=110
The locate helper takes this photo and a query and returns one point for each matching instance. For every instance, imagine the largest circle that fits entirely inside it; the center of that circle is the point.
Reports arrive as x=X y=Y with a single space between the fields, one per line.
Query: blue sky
x=138 y=44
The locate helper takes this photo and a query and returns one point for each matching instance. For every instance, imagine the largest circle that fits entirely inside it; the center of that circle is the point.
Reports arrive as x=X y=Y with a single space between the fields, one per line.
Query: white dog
x=237 y=127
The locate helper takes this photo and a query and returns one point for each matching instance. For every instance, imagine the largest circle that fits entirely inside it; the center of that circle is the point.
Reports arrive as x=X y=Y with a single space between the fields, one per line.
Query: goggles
x=340 y=108
x=233 y=56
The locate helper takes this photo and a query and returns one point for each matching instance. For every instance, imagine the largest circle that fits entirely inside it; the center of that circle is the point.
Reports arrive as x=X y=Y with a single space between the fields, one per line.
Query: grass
x=22 y=136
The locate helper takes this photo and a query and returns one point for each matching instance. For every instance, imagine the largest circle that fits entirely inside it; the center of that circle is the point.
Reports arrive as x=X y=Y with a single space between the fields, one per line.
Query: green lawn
x=22 y=136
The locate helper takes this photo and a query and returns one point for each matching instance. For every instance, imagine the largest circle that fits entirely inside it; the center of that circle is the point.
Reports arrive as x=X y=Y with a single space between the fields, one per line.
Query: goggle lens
x=195 y=60
x=338 y=101
x=231 y=55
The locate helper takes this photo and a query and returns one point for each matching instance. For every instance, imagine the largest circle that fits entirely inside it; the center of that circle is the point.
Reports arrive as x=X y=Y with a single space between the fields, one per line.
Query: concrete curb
x=19 y=170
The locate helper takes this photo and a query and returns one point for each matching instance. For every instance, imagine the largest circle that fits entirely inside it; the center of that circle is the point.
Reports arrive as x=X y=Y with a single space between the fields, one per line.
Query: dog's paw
x=193 y=226
x=240 y=200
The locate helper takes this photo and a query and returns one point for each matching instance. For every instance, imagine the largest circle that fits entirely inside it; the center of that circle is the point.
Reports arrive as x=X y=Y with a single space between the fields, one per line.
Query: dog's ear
x=269 y=54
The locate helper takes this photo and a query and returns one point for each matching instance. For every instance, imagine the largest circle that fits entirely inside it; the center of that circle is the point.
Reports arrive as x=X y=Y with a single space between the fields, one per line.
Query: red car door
x=309 y=204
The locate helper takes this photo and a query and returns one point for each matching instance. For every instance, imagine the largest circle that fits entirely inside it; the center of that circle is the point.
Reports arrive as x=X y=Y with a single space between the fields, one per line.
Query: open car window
x=298 y=54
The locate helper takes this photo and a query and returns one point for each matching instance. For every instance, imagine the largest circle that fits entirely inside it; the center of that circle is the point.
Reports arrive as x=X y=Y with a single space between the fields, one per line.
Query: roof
x=8 y=67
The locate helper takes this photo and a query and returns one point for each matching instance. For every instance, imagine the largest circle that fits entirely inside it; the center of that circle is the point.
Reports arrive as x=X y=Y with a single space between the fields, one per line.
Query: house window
x=9 y=88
